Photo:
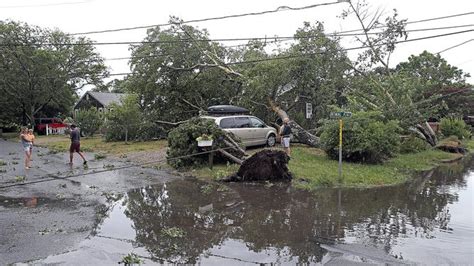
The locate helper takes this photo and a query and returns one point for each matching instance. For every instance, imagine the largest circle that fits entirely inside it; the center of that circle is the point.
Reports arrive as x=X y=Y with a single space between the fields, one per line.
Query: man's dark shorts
x=75 y=147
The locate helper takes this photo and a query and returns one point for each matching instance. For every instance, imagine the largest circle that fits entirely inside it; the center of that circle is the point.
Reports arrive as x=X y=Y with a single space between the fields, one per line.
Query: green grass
x=312 y=168
x=218 y=171
x=470 y=145
x=97 y=144
x=11 y=135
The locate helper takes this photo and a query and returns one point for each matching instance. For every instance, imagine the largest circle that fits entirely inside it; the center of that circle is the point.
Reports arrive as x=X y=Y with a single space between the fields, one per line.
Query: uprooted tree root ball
x=266 y=165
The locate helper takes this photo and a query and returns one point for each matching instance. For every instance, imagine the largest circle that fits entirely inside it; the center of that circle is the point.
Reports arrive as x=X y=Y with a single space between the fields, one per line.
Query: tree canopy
x=43 y=70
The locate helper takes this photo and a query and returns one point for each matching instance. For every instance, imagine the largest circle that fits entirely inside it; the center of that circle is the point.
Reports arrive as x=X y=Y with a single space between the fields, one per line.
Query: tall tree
x=42 y=68
x=440 y=85
x=175 y=73
x=375 y=85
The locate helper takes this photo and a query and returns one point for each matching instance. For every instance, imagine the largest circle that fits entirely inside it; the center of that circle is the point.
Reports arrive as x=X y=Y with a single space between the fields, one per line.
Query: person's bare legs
x=71 y=156
x=82 y=156
x=27 y=160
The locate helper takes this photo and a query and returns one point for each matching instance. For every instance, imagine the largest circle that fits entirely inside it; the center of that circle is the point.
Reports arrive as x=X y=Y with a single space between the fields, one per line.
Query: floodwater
x=428 y=221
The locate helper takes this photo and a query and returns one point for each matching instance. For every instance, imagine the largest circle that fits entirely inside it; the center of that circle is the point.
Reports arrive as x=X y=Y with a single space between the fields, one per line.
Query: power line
x=259 y=13
x=266 y=38
x=418 y=21
x=302 y=55
x=344 y=49
x=278 y=9
x=454 y=46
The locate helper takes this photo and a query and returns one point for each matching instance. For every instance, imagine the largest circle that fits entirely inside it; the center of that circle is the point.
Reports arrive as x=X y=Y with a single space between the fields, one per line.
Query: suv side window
x=242 y=122
x=257 y=123
x=227 y=123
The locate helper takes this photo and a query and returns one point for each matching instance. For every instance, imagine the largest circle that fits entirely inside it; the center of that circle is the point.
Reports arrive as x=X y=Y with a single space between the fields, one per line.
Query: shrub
x=182 y=141
x=123 y=121
x=412 y=144
x=365 y=138
x=455 y=127
x=89 y=121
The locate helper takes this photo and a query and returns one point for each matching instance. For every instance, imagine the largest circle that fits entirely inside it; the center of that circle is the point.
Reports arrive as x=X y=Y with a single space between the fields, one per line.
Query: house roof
x=105 y=98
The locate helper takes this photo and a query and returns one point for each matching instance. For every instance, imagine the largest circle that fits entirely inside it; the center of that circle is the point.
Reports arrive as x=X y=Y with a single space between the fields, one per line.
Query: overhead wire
x=455 y=46
x=308 y=54
x=266 y=38
x=255 y=14
x=418 y=21
x=278 y=9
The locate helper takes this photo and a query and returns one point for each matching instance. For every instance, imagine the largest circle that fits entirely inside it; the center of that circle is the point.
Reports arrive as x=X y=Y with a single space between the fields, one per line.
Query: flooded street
x=428 y=221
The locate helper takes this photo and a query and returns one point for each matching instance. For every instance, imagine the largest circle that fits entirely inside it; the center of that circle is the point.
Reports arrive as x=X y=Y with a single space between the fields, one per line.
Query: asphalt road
x=57 y=206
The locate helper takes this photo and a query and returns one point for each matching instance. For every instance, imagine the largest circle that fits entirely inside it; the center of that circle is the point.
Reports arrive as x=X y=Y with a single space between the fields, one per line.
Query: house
x=99 y=100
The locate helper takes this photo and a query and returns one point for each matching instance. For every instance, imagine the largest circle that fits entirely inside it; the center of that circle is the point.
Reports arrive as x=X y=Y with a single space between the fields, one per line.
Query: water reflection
x=185 y=221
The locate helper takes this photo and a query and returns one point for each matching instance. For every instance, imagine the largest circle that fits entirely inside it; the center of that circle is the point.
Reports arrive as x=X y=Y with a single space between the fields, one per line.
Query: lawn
x=98 y=145
x=311 y=168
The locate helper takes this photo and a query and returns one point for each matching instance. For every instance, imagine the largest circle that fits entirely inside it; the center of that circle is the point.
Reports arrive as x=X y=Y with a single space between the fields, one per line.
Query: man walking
x=75 y=144
x=285 y=133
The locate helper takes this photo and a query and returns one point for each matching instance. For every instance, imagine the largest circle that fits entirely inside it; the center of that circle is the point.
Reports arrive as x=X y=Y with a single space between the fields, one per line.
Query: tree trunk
x=427 y=133
x=231 y=157
x=298 y=132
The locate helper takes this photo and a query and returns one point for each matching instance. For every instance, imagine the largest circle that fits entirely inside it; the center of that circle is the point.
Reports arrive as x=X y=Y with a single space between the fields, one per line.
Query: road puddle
x=429 y=221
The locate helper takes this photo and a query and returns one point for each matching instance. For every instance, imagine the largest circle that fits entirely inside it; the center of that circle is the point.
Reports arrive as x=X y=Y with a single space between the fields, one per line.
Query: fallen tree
x=265 y=165
x=183 y=150
x=298 y=132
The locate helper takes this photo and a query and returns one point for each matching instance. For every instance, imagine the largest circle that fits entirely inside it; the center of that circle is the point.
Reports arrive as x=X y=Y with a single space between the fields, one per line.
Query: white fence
x=55 y=130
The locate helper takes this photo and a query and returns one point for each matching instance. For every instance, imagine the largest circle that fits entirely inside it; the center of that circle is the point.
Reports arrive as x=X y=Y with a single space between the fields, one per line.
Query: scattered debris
x=20 y=178
x=206 y=189
x=99 y=156
x=130 y=259
x=109 y=166
x=44 y=231
x=173 y=232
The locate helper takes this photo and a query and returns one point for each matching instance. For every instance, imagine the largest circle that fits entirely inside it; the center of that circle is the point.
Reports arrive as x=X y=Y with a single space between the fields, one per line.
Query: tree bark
x=298 y=132
x=427 y=133
x=231 y=157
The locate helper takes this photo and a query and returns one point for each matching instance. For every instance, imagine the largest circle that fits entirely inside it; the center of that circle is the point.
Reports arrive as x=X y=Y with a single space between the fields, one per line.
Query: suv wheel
x=271 y=140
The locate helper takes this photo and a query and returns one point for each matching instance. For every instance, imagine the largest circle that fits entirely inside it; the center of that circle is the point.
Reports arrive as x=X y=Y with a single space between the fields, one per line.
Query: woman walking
x=25 y=139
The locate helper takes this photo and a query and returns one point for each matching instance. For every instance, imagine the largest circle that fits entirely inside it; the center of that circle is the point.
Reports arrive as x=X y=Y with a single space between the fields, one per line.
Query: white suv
x=251 y=130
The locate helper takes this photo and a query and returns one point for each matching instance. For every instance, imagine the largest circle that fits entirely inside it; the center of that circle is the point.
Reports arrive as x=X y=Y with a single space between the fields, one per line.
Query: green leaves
x=41 y=70
x=89 y=121
x=366 y=138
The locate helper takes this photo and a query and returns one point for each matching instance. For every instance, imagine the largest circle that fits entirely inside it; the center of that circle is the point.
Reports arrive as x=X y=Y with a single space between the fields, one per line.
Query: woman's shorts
x=75 y=147
x=285 y=142
x=26 y=147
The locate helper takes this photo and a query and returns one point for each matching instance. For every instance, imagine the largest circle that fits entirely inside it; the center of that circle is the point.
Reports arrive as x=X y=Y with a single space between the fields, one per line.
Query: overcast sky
x=74 y=16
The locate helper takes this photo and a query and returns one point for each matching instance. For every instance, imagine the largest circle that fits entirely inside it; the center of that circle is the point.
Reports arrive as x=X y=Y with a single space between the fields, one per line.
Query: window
x=257 y=122
x=227 y=123
x=242 y=122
